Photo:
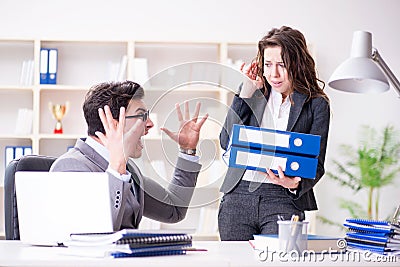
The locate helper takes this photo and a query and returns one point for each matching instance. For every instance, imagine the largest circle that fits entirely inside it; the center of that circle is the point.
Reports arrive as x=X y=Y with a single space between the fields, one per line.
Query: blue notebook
x=131 y=236
x=149 y=253
x=285 y=142
x=371 y=226
x=373 y=248
x=261 y=160
x=378 y=237
x=129 y=243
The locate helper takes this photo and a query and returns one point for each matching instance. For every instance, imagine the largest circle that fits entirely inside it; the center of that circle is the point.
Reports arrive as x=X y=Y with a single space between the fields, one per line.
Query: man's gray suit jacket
x=146 y=198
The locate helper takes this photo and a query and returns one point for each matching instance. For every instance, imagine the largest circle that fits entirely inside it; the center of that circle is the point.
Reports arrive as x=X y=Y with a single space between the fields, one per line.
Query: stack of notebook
x=376 y=236
x=129 y=243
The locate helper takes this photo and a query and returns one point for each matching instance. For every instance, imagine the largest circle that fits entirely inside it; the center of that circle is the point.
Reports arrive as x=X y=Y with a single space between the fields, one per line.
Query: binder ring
x=298 y=142
x=294 y=166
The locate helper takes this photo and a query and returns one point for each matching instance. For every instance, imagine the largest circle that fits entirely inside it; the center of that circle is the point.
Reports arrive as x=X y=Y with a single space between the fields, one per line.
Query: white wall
x=328 y=25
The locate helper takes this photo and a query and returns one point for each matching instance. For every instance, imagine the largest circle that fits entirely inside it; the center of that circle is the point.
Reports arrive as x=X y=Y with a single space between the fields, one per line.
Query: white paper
x=264 y=137
x=260 y=160
x=122 y=68
x=140 y=71
x=24 y=121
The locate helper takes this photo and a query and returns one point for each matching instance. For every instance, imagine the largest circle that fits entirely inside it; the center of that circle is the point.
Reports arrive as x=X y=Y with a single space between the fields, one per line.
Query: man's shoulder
x=75 y=159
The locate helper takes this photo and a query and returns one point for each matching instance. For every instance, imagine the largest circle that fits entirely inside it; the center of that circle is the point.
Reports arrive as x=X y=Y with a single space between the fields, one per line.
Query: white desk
x=13 y=253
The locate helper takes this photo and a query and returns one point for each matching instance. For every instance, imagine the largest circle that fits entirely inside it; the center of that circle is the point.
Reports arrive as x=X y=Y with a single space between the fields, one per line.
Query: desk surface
x=14 y=253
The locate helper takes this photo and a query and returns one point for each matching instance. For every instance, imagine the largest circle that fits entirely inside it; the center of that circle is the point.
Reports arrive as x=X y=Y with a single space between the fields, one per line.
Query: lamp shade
x=359 y=73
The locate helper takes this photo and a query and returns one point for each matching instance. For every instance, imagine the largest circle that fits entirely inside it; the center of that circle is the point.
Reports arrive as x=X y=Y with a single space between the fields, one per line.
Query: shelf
x=186 y=89
x=17 y=87
x=13 y=136
x=179 y=71
x=60 y=136
x=57 y=87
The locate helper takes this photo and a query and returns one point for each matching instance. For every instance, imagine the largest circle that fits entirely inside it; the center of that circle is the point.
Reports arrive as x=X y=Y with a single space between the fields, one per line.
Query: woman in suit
x=281 y=91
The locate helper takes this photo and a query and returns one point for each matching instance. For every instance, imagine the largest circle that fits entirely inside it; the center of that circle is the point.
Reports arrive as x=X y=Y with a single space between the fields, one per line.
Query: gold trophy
x=58 y=111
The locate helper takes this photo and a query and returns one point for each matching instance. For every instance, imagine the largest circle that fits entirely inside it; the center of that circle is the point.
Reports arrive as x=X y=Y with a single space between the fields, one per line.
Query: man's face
x=136 y=107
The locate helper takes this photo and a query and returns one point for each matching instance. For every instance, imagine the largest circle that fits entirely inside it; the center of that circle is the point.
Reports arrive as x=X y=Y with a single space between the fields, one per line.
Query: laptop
x=52 y=205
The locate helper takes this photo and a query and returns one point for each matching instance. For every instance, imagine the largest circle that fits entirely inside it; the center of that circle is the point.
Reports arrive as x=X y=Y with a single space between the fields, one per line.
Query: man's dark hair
x=113 y=94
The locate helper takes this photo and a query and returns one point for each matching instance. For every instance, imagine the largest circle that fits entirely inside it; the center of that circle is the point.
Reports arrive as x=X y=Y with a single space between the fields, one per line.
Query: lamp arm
x=377 y=57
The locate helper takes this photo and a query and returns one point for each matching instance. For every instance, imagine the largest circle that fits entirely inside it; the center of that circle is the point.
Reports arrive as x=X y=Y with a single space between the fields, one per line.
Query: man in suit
x=117 y=119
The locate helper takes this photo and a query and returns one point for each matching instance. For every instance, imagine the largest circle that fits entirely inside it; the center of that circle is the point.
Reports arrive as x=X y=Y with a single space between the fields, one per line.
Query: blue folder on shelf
x=15 y=152
x=48 y=65
x=52 y=70
x=44 y=66
x=275 y=140
x=261 y=160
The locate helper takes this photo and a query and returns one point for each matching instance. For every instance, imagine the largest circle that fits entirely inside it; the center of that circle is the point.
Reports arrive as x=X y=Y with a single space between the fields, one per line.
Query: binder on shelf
x=52 y=66
x=44 y=65
x=275 y=140
x=48 y=65
x=261 y=160
x=9 y=155
x=15 y=152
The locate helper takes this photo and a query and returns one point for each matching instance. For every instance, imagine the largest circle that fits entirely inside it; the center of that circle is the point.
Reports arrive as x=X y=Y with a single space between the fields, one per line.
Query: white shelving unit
x=82 y=63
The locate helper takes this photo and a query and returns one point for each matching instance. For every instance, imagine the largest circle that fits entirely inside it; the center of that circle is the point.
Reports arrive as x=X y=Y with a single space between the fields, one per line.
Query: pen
x=292 y=238
x=195 y=249
x=396 y=216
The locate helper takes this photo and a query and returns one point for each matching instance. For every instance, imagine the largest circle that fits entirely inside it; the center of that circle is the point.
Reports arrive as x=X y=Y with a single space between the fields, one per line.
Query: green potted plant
x=371 y=166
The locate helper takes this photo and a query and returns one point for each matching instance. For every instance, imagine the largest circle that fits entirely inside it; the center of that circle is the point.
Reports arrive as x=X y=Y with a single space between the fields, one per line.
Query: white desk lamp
x=359 y=73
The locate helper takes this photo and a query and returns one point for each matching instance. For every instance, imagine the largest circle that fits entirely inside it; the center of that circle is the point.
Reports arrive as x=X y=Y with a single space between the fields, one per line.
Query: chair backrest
x=25 y=163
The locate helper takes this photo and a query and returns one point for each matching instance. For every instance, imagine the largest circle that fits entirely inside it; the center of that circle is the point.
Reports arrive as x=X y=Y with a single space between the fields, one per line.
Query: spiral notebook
x=373 y=235
x=130 y=236
x=372 y=226
x=129 y=243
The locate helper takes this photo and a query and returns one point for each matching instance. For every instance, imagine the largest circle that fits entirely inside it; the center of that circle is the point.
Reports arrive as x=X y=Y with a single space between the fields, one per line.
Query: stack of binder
x=129 y=243
x=48 y=65
x=16 y=152
x=260 y=149
x=376 y=236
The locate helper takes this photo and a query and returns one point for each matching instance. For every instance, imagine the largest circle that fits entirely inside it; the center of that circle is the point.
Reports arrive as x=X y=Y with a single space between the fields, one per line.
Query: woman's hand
x=282 y=180
x=189 y=129
x=252 y=81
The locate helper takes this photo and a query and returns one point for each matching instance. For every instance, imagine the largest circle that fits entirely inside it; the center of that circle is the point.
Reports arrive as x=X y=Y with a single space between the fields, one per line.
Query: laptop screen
x=52 y=205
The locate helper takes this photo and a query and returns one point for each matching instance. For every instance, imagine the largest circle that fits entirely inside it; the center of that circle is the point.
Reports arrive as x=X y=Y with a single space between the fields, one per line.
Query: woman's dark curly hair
x=297 y=59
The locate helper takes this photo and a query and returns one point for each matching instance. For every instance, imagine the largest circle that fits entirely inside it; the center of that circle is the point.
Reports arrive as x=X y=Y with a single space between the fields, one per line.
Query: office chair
x=25 y=163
